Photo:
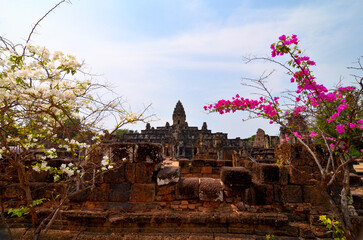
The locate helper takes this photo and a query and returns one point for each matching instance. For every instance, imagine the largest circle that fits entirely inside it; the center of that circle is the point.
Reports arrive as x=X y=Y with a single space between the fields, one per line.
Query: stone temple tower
x=179 y=114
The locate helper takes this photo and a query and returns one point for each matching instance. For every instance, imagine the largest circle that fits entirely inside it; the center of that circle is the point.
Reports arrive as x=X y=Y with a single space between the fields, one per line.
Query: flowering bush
x=46 y=109
x=336 y=116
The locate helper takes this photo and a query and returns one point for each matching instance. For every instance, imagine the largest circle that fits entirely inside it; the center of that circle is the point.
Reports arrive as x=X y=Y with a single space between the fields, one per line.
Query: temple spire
x=179 y=116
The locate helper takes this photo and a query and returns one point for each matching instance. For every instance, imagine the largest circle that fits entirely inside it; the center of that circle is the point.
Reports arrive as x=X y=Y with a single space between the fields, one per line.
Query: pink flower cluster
x=310 y=95
x=260 y=107
x=276 y=50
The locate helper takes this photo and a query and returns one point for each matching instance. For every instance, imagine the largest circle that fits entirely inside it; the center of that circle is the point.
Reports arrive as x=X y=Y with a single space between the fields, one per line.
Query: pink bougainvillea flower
x=312 y=134
x=282 y=38
x=333 y=117
x=297 y=135
x=340 y=128
x=341 y=107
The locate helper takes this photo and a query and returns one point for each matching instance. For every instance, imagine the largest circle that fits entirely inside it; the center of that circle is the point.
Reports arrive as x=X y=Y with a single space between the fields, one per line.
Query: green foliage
x=38 y=202
x=120 y=132
x=333 y=227
x=19 y=212
x=270 y=237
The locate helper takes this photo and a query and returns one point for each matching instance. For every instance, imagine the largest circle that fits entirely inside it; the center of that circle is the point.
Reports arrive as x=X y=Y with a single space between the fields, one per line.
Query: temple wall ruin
x=205 y=198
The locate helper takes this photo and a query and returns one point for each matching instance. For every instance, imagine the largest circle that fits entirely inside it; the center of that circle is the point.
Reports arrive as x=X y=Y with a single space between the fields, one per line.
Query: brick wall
x=141 y=195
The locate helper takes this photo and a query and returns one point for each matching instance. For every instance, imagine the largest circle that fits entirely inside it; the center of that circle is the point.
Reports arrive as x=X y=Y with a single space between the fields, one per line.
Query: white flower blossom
x=36 y=168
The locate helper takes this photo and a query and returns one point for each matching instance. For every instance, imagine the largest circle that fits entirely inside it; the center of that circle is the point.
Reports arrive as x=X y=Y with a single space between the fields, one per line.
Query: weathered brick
x=210 y=162
x=185 y=170
x=119 y=193
x=184 y=163
x=260 y=195
x=210 y=189
x=291 y=194
x=130 y=172
x=300 y=175
x=80 y=197
x=168 y=175
x=198 y=163
x=167 y=189
x=144 y=172
x=269 y=173
x=187 y=188
x=117 y=206
x=14 y=191
x=221 y=163
x=165 y=198
x=41 y=176
x=207 y=170
x=236 y=176
x=315 y=195
x=100 y=193
x=194 y=169
x=116 y=175
x=284 y=175
x=142 y=193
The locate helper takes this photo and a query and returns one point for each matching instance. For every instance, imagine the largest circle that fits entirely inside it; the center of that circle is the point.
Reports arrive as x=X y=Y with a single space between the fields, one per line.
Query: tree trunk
x=344 y=201
x=24 y=184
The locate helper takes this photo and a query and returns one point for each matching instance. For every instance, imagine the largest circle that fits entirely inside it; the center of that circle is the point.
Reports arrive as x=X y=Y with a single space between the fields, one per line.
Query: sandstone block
x=198 y=163
x=300 y=174
x=116 y=206
x=130 y=172
x=14 y=191
x=236 y=176
x=142 y=193
x=99 y=194
x=277 y=193
x=187 y=188
x=184 y=163
x=221 y=163
x=119 y=193
x=144 y=172
x=116 y=175
x=291 y=194
x=260 y=195
x=269 y=173
x=165 y=198
x=168 y=175
x=41 y=176
x=315 y=195
x=284 y=175
x=211 y=162
x=185 y=170
x=207 y=170
x=216 y=170
x=210 y=189
x=194 y=169
x=166 y=189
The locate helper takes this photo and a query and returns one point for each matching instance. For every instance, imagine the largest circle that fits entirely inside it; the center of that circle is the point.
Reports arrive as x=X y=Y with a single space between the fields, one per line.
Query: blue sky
x=162 y=51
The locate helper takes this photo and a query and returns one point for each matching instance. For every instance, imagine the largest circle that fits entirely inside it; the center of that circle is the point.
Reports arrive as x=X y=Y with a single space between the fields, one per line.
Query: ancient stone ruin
x=142 y=198
x=182 y=141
